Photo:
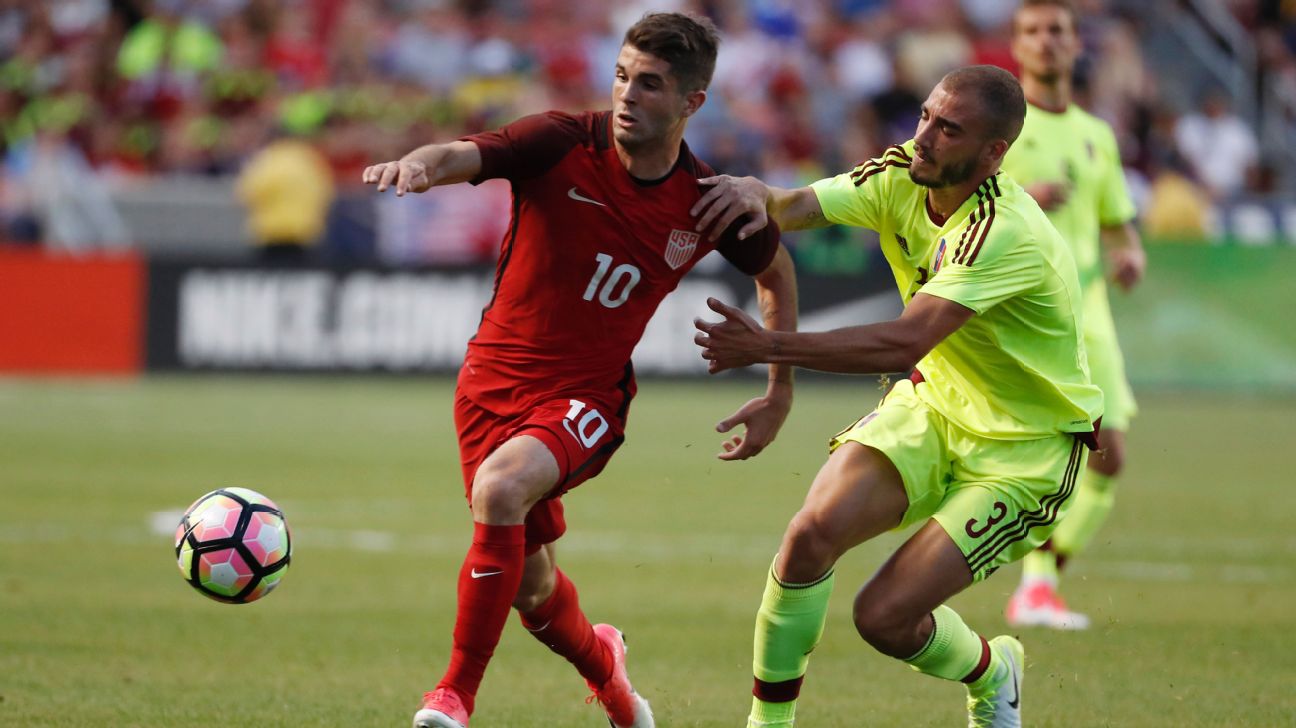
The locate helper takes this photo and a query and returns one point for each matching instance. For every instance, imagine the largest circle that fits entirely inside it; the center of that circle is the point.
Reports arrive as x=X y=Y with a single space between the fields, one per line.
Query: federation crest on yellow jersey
x=938 y=258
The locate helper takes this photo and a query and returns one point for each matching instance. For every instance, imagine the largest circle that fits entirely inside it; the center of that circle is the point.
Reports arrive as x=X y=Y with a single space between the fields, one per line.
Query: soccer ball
x=233 y=545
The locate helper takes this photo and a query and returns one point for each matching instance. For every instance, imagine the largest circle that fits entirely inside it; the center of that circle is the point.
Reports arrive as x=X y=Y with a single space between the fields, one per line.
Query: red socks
x=488 y=582
x=561 y=625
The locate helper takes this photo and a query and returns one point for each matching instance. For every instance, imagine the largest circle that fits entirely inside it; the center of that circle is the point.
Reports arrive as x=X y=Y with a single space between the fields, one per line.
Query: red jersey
x=589 y=255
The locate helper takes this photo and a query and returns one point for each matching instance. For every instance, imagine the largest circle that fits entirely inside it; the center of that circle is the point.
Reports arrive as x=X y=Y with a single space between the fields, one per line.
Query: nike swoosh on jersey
x=572 y=193
x=479 y=574
x=1016 y=701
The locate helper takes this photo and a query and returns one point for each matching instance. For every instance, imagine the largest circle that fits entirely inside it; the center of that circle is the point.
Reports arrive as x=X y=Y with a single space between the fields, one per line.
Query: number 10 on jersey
x=624 y=276
x=586 y=428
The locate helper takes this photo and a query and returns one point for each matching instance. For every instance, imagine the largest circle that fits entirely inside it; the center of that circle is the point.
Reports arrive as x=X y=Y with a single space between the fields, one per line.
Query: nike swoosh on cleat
x=1016 y=701
x=479 y=574
x=572 y=193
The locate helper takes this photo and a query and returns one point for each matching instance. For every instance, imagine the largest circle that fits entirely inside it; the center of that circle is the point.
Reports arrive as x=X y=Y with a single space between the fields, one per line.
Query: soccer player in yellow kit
x=1067 y=160
x=981 y=445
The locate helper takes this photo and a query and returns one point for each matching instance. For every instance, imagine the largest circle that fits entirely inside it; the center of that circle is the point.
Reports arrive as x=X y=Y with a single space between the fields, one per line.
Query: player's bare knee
x=807 y=552
x=504 y=494
x=883 y=624
x=497 y=500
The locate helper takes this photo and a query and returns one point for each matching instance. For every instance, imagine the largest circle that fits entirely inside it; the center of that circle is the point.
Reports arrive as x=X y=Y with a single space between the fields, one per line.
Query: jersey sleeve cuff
x=952 y=297
x=824 y=192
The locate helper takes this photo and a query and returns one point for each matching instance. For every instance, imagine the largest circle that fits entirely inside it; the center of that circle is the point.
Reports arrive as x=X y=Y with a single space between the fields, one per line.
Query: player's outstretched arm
x=763 y=417
x=1125 y=255
x=732 y=197
x=426 y=167
x=890 y=346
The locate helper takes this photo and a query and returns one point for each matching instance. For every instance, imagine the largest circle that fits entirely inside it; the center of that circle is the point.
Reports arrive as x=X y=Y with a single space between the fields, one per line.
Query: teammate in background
x=601 y=231
x=1067 y=160
x=981 y=444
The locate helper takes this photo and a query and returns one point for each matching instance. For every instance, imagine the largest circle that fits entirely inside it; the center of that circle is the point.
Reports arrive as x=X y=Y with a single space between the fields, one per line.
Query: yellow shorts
x=1106 y=363
x=997 y=499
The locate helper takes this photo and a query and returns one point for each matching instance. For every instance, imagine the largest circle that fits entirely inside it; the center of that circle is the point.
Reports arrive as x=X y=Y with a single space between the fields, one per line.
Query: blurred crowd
x=98 y=93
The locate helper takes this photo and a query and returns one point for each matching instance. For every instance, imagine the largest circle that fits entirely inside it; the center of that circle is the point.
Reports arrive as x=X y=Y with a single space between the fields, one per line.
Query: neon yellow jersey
x=1017 y=370
x=1078 y=150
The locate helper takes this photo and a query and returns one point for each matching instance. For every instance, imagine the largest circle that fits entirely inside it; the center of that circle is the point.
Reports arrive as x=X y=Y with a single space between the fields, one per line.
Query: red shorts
x=582 y=433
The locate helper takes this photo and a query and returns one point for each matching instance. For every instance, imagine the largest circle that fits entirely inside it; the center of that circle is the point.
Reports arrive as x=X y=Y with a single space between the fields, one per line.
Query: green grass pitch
x=1192 y=585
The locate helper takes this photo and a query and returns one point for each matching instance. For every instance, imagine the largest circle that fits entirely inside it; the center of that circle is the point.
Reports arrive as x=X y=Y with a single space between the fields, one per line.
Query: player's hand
x=737 y=341
x=1128 y=265
x=729 y=199
x=404 y=175
x=762 y=418
x=1049 y=195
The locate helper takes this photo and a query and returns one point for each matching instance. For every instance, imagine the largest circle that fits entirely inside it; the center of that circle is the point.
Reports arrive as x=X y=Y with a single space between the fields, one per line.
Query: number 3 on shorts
x=588 y=428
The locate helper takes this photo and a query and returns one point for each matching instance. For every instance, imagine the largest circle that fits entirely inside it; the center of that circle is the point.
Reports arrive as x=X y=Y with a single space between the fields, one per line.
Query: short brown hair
x=1066 y=5
x=1000 y=96
x=687 y=42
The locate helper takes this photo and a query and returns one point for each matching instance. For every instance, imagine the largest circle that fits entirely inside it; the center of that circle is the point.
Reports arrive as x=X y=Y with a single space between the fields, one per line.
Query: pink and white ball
x=233 y=545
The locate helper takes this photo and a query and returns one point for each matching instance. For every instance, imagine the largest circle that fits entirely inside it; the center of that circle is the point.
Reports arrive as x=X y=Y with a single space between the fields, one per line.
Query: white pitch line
x=1231 y=546
x=643 y=549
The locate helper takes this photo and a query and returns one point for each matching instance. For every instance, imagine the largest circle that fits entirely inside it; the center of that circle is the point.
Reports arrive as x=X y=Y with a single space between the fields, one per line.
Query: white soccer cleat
x=1000 y=705
x=442 y=708
x=625 y=708
x=1039 y=605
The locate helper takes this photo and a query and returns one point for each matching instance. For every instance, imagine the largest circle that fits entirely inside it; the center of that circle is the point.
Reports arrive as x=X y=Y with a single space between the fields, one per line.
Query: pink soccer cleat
x=625 y=707
x=442 y=708
x=1038 y=605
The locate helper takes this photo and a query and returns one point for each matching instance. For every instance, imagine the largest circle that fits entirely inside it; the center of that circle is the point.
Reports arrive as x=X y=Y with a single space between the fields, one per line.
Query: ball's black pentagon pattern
x=224 y=549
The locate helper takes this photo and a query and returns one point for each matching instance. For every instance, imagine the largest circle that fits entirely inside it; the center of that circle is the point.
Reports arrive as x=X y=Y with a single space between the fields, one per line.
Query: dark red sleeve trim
x=530 y=146
x=753 y=255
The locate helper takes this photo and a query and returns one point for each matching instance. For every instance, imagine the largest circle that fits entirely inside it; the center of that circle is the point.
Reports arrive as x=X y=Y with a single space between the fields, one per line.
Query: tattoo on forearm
x=812 y=219
x=769 y=312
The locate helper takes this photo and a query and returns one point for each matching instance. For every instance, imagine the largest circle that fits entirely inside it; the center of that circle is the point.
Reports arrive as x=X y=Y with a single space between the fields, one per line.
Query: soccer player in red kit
x=600 y=233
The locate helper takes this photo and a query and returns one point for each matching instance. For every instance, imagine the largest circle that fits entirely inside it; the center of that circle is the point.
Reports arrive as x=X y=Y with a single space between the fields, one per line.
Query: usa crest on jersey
x=680 y=247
